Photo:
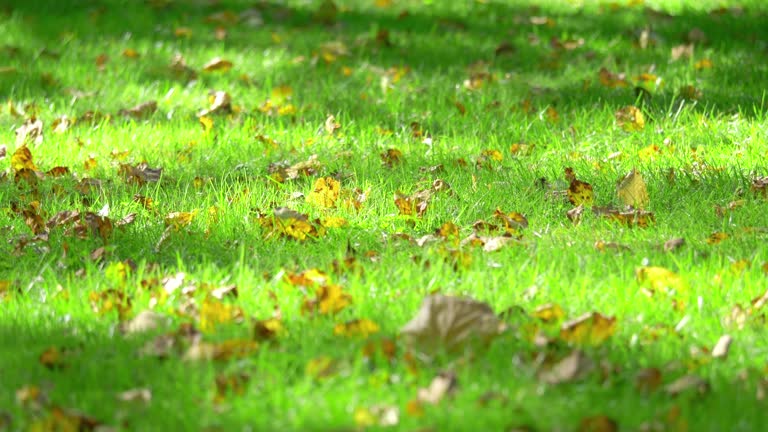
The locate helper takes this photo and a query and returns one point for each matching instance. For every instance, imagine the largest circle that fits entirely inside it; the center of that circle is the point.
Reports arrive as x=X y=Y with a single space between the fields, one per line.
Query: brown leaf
x=574 y=367
x=140 y=174
x=217 y=64
x=447 y=322
x=630 y=118
x=140 y=111
x=674 y=244
x=647 y=380
x=579 y=192
x=685 y=383
x=599 y=423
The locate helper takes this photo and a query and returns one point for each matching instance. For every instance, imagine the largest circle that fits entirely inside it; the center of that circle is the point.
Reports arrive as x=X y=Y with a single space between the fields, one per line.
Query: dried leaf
x=356 y=328
x=574 y=367
x=447 y=322
x=720 y=350
x=440 y=387
x=140 y=111
x=217 y=64
x=686 y=383
x=579 y=192
x=145 y=321
x=632 y=191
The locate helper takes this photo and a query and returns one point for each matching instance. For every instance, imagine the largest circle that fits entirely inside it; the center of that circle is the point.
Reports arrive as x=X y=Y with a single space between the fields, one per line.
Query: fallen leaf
x=22 y=159
x=549 y=313
x=321 y=367
x=325 y=192
x=145 y=321
x=30 y=132
x=217 y=64
x=574 y=367
x=228 y=349
x=720 y=350
x=716 y=237
x=220 y=103
x=686 y=383
x=356 y=328
x=440 y=387
x=661 y=279
x=447 y=322
x=630 y=118
x=648 y=380
x=599 y=423
x=589 y=329
x=579 y=192
x=674 y=244
x=632 y=191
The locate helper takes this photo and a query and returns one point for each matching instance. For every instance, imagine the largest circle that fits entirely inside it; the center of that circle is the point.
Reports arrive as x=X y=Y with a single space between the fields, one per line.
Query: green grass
x=715 y=146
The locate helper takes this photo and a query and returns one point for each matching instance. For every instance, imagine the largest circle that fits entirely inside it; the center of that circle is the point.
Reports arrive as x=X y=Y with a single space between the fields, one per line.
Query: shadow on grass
x=446 y=42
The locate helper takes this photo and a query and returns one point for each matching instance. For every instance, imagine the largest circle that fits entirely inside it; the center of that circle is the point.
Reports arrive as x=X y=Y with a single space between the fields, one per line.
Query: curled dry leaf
x=447 y=322
x=217 y=64
x=632 y=191
x=220 y=103
x=441 y=386
x=722 y=346
x=685 y=383
x=574 y=367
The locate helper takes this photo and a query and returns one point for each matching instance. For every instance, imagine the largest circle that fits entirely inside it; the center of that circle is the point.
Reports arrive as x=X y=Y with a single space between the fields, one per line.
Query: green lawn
x=220 y=215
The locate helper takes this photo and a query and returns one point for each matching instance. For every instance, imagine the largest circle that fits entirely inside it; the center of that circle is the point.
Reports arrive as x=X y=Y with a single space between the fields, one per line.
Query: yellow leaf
x=22 y=159
x=703 y=64
x=130 y=53
x=630 y=119
x=206 y=122
x=589 y=329
x=632 y=191
x=281 y=93
x=329 y=299
x=359 y=327
x=214 y=312
x=716 y=238
x=325 y=192
x=180 y=219
x=550 y=312
x=493 y=155
x=334 y=222
x=661 y=279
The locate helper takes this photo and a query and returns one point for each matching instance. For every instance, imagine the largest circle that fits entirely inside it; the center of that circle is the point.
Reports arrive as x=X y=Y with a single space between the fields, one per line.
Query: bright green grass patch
x=405 y=91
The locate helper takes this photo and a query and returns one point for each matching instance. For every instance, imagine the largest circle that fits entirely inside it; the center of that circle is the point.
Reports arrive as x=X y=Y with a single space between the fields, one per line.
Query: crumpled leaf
x=448 y=322
x=220 y=103
x=574 y=367
x=22 y=159
x=632 y=191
